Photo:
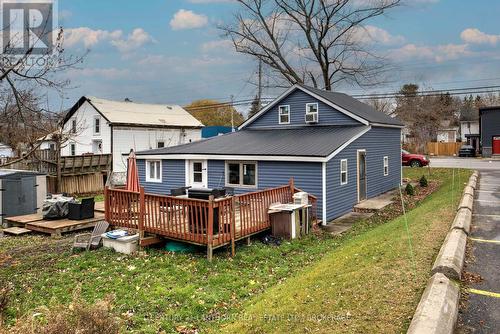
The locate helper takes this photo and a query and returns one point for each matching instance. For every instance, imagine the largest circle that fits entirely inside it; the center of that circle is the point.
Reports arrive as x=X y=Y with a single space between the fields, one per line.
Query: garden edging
x=437 y=310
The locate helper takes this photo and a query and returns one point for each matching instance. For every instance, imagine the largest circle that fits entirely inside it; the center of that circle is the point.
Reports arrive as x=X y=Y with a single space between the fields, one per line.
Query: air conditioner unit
x=312 y=117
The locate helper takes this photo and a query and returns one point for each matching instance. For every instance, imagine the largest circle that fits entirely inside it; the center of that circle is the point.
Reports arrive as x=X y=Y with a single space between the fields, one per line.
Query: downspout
x=323 y=184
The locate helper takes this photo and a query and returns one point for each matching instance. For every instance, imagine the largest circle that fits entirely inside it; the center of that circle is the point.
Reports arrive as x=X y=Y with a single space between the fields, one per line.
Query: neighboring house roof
x=212 y=131
x=132 y=113
x=293 y=142
x=340 y=101
x=4 y=146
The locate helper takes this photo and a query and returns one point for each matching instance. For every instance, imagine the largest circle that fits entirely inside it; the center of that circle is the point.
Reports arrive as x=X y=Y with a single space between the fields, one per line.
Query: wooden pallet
x=57 y=227
x=16 y=230
x=21 y=221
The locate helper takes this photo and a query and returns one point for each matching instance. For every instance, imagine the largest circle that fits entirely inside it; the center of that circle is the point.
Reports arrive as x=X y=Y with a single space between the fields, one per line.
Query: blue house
x=334 y=146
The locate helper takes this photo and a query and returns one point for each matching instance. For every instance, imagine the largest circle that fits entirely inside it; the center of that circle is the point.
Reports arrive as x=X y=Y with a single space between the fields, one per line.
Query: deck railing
x=212 y=223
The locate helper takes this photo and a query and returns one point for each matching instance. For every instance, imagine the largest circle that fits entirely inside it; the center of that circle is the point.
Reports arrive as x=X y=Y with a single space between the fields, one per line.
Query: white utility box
x=301 y=198
x=126 y=245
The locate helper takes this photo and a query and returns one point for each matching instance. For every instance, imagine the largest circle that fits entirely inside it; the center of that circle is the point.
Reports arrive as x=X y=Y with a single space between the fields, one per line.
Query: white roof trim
x=382 y=125
x=269 y=106
x=305 y=90
x=333 y=105
x=347 y=143
x=231 y=157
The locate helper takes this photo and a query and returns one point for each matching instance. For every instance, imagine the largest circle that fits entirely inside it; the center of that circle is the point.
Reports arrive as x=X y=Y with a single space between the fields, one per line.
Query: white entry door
x=198 y=174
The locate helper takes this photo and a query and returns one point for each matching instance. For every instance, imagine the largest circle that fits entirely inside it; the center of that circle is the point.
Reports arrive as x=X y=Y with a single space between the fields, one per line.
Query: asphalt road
x=470 y=163
x=482 y=311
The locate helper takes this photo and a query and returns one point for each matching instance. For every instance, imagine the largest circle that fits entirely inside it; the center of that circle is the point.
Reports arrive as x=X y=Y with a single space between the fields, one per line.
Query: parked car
x=467 y=151
x=413 y=160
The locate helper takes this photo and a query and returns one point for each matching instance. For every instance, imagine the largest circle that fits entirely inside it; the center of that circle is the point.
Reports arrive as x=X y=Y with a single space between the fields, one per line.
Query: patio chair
x=89 y=240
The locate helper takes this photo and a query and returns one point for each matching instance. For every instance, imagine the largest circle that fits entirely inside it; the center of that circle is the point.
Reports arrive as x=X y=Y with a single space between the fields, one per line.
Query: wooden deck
x=21 y=221
x=212 y=223
x=57 y=227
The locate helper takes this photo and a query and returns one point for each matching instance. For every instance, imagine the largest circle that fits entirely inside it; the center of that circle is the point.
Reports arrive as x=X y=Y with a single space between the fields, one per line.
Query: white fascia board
x=333 y=105
x=347 y=143
x=231 y=157
x=381 y=125
x=269 y=106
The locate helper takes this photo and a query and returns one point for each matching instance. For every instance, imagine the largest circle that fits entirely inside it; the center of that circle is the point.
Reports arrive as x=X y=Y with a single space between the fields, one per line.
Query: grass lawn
x=360 y=282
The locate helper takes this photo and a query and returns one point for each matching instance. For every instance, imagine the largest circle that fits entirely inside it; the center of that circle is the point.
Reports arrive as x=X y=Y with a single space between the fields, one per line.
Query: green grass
x=362 y=280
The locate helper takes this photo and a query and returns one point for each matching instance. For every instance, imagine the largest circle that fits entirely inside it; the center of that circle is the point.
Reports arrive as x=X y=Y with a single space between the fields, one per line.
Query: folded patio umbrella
x=132 y=174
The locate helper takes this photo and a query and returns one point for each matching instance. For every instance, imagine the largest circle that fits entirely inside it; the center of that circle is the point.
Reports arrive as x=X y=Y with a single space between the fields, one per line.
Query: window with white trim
x=241 y=174
x=160 y=144
x=312 y=108
x=343 y=171
x=73 y=126
x=386 y=166
x=284 y=114
x=72 y=149
x=97 y=125
x=153 y=170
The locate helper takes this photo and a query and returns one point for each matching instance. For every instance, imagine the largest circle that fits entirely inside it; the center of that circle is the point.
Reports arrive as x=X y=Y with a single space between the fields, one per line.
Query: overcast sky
x=170 y=51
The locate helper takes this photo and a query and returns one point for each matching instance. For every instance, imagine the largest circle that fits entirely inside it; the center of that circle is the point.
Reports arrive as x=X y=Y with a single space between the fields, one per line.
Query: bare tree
x=319 y=42
x=25 y=81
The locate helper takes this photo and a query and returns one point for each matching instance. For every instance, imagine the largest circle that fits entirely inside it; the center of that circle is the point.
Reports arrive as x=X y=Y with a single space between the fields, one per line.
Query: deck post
x=142 y=209
x=106 y=204
x=233 y=225
x=292 y=187
x=210 y=228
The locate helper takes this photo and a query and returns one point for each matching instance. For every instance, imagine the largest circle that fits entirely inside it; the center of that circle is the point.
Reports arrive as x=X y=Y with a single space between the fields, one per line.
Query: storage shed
x=21 y=192
x=490 y=130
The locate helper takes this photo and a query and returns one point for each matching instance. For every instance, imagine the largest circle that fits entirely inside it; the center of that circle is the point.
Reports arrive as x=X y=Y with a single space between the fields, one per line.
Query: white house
x=6 y=151
x=102 y=126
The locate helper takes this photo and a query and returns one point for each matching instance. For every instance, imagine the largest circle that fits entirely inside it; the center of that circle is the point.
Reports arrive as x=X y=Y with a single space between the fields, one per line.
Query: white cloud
x=438 y=53
x=135 y=40
x=187 y=19
x=373 y=34
x=217 y=45
x=476 y=36
x=90 y=38
x=106 y=73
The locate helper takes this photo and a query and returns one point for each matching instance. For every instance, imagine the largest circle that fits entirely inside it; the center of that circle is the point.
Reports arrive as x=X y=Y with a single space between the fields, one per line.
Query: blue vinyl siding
x=378 y=142
x=297 y=101
x=173 y=176
x=271 y=174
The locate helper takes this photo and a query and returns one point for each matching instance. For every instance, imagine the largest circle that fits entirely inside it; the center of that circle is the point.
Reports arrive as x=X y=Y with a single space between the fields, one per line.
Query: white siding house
x=469 y=128
x=101 y=126
x=6 y=151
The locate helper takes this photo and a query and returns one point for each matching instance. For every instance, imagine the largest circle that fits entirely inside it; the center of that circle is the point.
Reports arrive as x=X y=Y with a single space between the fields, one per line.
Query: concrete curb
x=450 y=259
x=467 y=202
x=437 y=311
x=462 y=220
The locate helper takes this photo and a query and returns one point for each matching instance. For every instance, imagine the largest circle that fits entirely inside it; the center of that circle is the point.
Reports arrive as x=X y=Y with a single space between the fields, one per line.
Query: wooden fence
x=446 y=149
x=212 y=223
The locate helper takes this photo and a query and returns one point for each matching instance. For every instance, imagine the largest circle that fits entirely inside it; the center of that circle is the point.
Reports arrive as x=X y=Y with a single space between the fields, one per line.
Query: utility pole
x=232 y=113
x=259 y=88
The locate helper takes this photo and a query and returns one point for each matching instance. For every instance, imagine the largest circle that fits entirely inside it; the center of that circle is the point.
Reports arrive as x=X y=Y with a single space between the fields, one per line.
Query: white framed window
x=160 y=144
x=97 y=125
x=386 y=165
x=197 y=172
x=284 y=114
x=312 y=114
x=153 y=170
x=343 y=171
x=73 y=125
x=72 y=149
x=241 y=174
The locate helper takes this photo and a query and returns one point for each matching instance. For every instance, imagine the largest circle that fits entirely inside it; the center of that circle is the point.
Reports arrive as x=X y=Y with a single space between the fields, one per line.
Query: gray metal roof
x=355 y=106
x=308 y=142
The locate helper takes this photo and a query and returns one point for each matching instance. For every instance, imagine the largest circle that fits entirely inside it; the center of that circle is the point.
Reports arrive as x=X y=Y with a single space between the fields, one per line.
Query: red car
x=413 y=160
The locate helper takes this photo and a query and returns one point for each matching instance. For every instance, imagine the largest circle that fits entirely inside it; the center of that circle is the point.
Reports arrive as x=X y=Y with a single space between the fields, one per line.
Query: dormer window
x=311 y=112
x=284 y=114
